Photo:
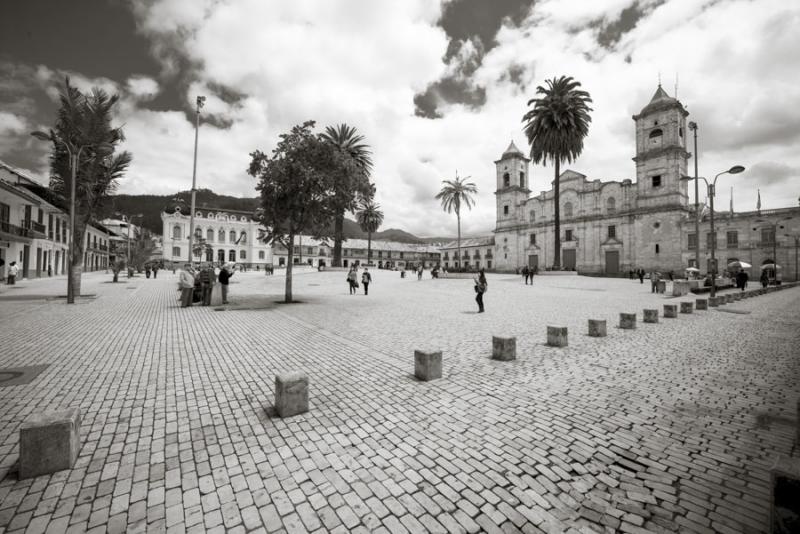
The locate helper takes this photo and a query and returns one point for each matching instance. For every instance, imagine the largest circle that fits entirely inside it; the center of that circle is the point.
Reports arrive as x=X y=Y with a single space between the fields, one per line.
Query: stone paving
x=669 y=427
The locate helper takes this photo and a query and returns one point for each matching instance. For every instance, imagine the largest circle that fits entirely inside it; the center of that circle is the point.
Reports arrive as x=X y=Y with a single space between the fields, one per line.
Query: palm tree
x=453 y=195
x=369 y=218
x=83 y=130
x=556 y=127
x=351 y=187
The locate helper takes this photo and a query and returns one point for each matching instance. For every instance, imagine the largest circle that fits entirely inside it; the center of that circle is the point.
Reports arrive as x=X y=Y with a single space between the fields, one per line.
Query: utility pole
x=693 y=127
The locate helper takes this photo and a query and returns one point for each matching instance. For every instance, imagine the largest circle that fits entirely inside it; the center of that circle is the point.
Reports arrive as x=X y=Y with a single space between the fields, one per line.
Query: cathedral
x=609 y=228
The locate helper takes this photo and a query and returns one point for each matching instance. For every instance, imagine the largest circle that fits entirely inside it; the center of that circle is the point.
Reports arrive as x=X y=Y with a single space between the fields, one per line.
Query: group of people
x=528 y=272
x=198 y=285
x=151 y=268
x=352 y=280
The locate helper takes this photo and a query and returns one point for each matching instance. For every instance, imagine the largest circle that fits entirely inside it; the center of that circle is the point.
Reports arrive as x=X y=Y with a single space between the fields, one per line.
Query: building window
x=532 y=216
x=401 y=255
x=568 y=209
x=658 y=249
x=176 y=251
x=612 y=232
x=711 y=240
x=243 y=238
x=533 y=239
x=656 y=180
x=680 y=132
x=231 y=255
x=242 y=254
x=692 y=241
x=282 y=261
x=767 y=236
x=568 y=235
x=209 y=235
x=176 y=232
x=198 y=233
x=260 y=254
x=655 y=136
x=611 y=205
x=521 y=179
x=506 y=180
x=505 y=209
x=50 y=226
x=233 y=236
x=221 y=236
x=733 y=239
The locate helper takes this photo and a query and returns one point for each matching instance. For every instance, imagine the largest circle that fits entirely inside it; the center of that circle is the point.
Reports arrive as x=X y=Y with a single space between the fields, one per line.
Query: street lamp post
x=127 y=220
x=201 y=100
x=736 y=169
x=74 y=152
x=693 y=127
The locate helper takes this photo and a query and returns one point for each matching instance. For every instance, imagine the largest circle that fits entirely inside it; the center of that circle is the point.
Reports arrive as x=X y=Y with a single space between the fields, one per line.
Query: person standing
x=147 y=271
x=640 y=272
x=653 y=281
x=186 y=285
x=366 y=279
x=224 y=277
x=526 y=274
x=207 y=284
x=155 y=271
x=419 y=272
x=352 y=280
x=13 y=270
x=480 y=288
x=764 y=277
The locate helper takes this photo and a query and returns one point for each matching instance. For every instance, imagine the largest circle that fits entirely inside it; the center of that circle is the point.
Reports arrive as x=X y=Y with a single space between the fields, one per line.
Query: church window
x=521 y=179
x=568 y=209
x=767 y=236
x=656 y=225
x=711 y=240
x=657 y=248
x=176 y=251
x=655 y=137
x=505 y=209
x=692 y=241
x=176 y=232
x=506 y=180
x=533 y=239
x=612 y=232
x=260 y=254
x=655 y=122
x=568 y=235
x=656 y=180
x=680 y=132
x=532 y=215
x=611 y=205
x=733 y=239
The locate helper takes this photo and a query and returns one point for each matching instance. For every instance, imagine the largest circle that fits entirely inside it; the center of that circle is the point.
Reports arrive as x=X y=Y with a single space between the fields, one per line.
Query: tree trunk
x=557 y=250
x=338 y=234
x=77 y=257
x=460 y=259
x=369 y=247
x=289 y=261
x=77 y=270
x=116 y=277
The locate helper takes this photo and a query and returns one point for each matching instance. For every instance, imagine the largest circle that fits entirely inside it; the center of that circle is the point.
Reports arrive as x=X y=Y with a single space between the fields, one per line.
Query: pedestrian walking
x=366 y=279
x=147 y=271
x=526 y=274
x=630 y=274
x=480 y=288
x=186 y=285
x=352 y=280
x=671 y=276
x=654 y=277
x=224 y=277
x=764 y=278
x=419 y=272
x=207 y=284
x=13 y=270
x=155 y=272
x=640 y=272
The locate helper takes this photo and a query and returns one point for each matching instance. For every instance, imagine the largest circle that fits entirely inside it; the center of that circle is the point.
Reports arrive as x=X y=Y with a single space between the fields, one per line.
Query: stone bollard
x=49 y=442
x=557 y=336
x=701 y=304
x=627 y=321
x=670 y=311
x=504 y=348
x=713 y=301
x=784 y=487
x=291 y=394
x=687 y=307
x=597 y=327
x=427 y=365
x=650 y=316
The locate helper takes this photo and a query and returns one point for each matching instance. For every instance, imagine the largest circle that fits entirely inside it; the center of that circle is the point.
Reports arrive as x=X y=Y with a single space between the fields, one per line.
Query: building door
x=569 y=258
x=26 y=260
x=612 y=262
x=221 y=256
x=533 y=261
x=38 y=262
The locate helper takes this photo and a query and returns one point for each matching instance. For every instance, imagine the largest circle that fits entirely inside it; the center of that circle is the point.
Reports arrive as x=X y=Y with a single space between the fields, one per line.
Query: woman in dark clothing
x=480 y=288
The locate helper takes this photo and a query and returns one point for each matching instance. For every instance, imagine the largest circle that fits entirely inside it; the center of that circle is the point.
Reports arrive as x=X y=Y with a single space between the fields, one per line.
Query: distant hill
x=151 y=206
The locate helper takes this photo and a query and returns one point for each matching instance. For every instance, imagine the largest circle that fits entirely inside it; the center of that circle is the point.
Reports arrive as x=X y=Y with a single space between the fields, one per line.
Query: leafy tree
x=117 y=267
x=84 y=124
x=455 y=194
x=142 y=249
x=556 y=127
x=202 y=248
x=297 y=185
x=369 y=218
x=351 y=184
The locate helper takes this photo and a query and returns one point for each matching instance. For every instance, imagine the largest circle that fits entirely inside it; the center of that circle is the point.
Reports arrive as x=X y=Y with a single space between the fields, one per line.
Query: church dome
x=512 y=150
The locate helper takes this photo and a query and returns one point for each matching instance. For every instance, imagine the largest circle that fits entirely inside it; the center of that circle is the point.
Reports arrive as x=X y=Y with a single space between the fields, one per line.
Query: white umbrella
x=771 y=266
x=693 y=269
x=739 y=264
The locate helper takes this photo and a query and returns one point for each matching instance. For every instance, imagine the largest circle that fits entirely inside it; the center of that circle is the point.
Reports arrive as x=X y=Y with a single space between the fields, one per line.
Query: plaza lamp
x=201 y=100
x=74 y=151
x=736 y=169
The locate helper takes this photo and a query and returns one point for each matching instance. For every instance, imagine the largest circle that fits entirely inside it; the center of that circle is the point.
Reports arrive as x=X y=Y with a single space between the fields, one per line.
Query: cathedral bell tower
x=512 y=186
x=661 y=153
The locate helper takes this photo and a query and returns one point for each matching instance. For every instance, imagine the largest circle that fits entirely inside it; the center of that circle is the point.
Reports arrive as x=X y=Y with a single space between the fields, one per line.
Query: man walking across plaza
x=186 y=285
x=480 y=288
x=526 y=274
x=366 y=280
x=13 y=269
x=224 y=277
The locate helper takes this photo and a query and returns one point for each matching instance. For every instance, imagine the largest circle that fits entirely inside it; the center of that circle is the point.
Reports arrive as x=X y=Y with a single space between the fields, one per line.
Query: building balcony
x=37 y=230
x=12 y=232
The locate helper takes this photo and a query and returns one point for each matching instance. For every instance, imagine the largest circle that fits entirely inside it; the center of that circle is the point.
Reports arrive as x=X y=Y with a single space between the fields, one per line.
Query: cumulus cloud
x=142 y=87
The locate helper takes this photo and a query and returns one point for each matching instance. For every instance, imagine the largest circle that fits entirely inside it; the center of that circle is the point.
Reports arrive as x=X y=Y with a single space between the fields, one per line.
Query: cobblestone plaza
x=669 y=427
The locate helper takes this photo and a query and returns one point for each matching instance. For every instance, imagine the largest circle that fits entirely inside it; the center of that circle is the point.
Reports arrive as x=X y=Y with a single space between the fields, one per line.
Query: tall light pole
x=736 y=169
x=201 y=100
x=693 y=127
x=74 y=152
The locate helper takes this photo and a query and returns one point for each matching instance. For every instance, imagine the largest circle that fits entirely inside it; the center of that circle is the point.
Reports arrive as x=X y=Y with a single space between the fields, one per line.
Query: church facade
x=612 y=227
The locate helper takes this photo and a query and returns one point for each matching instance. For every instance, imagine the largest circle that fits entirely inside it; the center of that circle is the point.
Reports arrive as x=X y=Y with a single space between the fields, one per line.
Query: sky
x=436 y=88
